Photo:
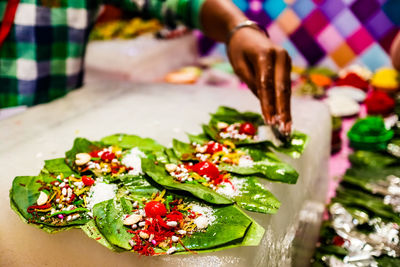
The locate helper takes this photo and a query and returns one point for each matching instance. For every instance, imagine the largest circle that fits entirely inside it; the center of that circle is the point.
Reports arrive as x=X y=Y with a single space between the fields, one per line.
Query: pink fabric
x=339 y=162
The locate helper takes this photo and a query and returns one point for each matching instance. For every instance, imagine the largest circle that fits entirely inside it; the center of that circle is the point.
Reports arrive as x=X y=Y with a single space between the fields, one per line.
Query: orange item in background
x=187 y=75
x=320 y=80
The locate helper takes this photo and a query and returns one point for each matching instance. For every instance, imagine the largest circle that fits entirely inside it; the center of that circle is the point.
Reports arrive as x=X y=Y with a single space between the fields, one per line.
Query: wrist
x=245 y=24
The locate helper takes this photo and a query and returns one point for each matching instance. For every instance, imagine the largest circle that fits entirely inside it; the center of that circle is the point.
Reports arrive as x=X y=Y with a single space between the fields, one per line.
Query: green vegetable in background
x=371 y=159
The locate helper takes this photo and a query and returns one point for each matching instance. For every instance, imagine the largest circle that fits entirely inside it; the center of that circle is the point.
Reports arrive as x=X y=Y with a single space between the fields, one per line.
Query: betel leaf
x=231 y=115
x=91 y=230
x=253 y=237
x=387 y=261
x=81 y=145
x=57 y=166
x=267 y=168
x=198 y=139
x=47 y=229
x=294 y=147
x=25 y=192
x=230 y=225
x=254 y=197
x=184 y=151
x=373 y=205
x=231 y=228
x=266 y=164
x=159 y=175
x=108 y=217
x=136 y=188
x=367 y=179
x=371 y=159
x=126 y=141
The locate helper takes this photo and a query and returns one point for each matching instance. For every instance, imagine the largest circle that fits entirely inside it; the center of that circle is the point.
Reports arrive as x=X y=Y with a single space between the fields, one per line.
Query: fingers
x=265 y=73
x=246 y=74
x=283 y=90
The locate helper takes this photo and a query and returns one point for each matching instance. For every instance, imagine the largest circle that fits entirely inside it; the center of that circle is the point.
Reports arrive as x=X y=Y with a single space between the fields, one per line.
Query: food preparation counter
x=161 y=112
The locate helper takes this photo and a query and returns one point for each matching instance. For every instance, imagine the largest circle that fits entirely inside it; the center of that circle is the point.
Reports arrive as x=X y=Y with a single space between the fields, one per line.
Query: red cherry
x=206 y=168
x=213 y=147
x=107 y=156
x=338 y=241
x=95 y=154
x=247 y=128
x=154 y=208
x=87 y=180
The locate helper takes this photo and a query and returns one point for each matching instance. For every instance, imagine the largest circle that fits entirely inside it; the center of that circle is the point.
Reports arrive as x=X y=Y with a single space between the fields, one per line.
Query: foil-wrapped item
x=390 y=188
x=393 y=149
x=362 y=248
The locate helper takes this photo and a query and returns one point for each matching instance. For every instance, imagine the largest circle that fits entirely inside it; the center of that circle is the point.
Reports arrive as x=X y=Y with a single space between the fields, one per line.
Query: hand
x=265 y=68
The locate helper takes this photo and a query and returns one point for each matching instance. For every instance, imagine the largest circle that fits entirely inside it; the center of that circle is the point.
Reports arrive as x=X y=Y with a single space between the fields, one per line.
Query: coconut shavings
x=245 y=161
x=133 y=160
x=100 y=192
x=231 y=190
x=206 y=218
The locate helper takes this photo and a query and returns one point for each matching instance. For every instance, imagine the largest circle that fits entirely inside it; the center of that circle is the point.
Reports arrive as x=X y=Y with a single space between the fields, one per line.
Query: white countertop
x=161 y=112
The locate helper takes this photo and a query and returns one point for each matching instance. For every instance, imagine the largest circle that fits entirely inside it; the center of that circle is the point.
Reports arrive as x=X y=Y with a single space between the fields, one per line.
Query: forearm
x=219 y=17
x=395 y=52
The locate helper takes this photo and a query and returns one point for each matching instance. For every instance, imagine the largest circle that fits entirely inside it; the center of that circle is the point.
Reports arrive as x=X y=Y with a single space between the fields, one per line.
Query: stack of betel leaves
x=132 y=194
x=364 y=216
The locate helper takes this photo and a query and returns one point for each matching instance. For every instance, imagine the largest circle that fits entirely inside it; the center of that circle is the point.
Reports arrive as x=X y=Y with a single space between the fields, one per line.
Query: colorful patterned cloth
x=333 y=33
x=42 y=57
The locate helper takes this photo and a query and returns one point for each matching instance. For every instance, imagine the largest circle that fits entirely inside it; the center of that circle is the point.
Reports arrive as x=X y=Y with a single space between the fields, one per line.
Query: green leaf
x=294 y=147
x=254 y=197
x=81 y=145
x=266 y=168
x=137 y=188
x=370 y=159
x=126 y=141
x=387 y=261
x=230 y=225
x=159 y=175
x=91 y=230
x=266 y=165
x=231 y=115
x=46 y=228
x=57 y=166
x=25 y=192
x=373 y=205
x=231 y=228
x=184 y=151
x=199 y=139
x=108 y=218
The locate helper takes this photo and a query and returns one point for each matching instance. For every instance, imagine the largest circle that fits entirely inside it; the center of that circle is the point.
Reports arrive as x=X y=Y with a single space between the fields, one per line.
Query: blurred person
x=42 y=46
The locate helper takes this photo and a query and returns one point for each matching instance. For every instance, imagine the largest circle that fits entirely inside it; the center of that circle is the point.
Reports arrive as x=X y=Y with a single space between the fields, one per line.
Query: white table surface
x=161 y=112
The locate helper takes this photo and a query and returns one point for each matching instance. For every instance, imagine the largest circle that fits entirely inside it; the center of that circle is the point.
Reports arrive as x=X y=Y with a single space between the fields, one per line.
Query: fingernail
x=273 y=120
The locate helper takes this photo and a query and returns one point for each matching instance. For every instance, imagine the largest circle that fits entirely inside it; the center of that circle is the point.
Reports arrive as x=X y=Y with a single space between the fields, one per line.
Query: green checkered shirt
x=42 y=57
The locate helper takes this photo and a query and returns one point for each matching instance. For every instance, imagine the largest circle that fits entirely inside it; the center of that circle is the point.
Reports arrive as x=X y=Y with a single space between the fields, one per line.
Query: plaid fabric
x=42 y=57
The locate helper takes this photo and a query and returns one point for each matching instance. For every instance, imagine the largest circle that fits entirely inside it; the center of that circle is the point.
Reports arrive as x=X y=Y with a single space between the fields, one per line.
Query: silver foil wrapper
x=362 y=248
